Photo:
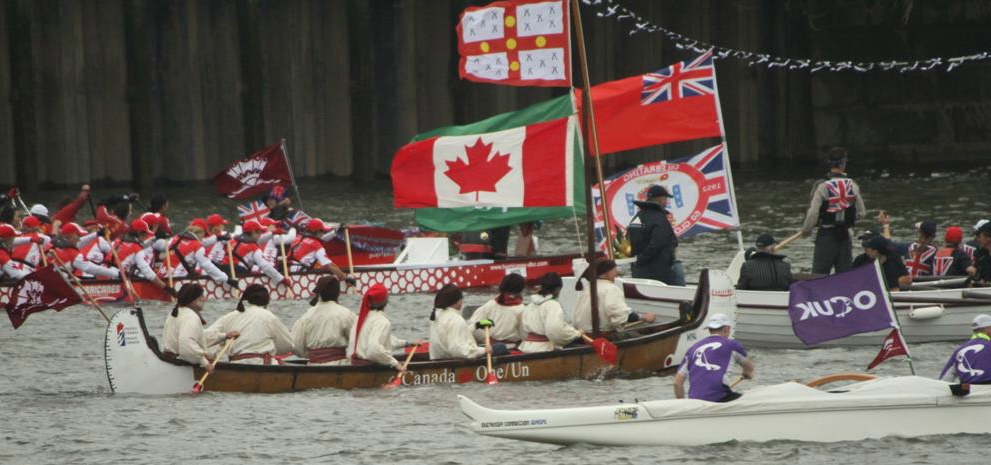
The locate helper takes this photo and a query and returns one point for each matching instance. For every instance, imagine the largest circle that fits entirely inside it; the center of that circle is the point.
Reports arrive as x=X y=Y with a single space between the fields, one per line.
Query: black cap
x=765 y=240
x=985 y=228
x=867 y=235
x=879 y=243
x=927 y=227
x=657 y=190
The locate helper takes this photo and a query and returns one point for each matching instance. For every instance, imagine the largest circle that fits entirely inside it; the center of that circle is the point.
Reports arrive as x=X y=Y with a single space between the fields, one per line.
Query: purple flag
x=840 y=305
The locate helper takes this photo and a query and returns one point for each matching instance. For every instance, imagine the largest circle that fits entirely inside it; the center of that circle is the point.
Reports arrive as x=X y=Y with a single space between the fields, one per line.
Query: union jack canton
x=681 y=80
x=839 y=193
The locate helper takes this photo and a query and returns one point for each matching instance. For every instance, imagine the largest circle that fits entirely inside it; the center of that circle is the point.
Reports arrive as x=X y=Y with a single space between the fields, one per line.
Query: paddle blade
x=605 y=350
x=197 y=388
x=394 y=383
x=491 y=379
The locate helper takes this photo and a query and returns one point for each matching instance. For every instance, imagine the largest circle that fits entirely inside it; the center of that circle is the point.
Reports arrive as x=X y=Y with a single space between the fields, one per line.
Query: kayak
x=905 y=406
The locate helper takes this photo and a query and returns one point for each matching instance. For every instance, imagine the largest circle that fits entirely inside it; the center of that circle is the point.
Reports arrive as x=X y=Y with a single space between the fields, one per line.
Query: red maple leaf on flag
x=480 y=174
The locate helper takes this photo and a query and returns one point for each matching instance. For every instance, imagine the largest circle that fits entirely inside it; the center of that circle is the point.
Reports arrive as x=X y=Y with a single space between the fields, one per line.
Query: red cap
x=199 y=223
x=215 y=220
x=315 y=225
x=268 y=222
x=954 y=234
x=251 y=226
x=152 y=219
x=92 y=224
x=140 y=226
x=72 y=228
x=7 y=231
x=31 y=222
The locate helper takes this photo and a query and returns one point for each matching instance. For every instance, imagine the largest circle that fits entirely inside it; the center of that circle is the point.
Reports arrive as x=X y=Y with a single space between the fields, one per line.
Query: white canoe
x=932 y=316
x=906 y=406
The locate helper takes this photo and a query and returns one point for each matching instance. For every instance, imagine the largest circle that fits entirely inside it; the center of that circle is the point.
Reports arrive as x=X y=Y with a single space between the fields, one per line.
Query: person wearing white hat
x=707 y=364
x=971 y=361
x=973 y=242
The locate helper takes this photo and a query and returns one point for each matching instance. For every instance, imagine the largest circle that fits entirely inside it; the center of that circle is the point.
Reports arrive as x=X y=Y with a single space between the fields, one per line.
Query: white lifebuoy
x=926 y=313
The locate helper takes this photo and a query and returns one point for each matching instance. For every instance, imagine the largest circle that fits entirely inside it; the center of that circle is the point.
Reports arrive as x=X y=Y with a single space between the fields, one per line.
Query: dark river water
x=56 y=405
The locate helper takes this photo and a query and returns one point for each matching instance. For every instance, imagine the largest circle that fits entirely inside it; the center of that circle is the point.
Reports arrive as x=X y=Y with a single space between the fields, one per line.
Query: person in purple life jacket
x=971 y=361
x=707 y=364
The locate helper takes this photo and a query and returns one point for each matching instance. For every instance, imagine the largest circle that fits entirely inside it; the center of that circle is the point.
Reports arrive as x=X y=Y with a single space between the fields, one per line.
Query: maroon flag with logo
x=893 y=346
x=42 y=290
x=255 y=175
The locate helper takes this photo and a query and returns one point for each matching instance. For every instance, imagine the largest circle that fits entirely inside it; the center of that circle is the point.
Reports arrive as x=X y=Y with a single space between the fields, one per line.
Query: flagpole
x=722 y=134
x=589 y=119
x=588 y=125
x=292 y=177
x=894 y=317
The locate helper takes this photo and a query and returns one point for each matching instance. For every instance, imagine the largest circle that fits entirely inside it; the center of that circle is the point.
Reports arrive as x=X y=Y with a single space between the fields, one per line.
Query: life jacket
x=105 y=259
x=840 y=206
x=920 y=261
x=127 y=246
x=302 y=247
x=4 y=256
x=969 y=250
x=943 y=261
x=66 y=252
x=28 y=253
x=241 y=249
x=182 y=246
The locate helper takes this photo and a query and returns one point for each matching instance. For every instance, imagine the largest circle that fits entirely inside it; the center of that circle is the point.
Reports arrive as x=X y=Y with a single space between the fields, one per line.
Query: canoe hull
x=838 y=417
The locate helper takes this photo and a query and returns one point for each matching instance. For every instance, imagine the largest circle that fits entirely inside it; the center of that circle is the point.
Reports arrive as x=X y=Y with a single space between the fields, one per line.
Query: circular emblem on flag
x=684 y=182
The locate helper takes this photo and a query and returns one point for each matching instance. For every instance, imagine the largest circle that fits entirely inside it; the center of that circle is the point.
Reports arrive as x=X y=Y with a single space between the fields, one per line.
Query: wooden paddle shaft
x=409 y=357
x=220 y=355
x=79 y=284
x=788 y=240
x=347 y=246
x=168 y=268
x=488 y=351
x=123 y=273
x=285 y=267
x=736 y=381
x=230 y=259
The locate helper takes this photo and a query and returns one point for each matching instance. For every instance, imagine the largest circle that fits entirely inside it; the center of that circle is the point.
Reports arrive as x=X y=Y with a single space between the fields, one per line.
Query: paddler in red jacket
x=249 y=257
x=8 y=269
x=308 y=253
x=137 y=255
x=188 y=256
x=28 y=247
x=94 y=259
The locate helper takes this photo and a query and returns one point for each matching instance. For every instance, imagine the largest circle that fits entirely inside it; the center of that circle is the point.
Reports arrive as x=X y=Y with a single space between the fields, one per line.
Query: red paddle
x=198 y=387
x=606 y=350
x=397 y=380
x=490 y=378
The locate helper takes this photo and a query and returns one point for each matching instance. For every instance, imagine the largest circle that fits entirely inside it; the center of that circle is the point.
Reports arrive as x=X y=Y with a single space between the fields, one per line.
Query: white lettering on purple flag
x=840 y=305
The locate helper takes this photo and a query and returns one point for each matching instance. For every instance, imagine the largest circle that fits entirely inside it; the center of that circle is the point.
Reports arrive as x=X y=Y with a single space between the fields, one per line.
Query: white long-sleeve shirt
x=376 y=342
x=326 y=324
x=261 y=332
x=507 y=322
x=184 y=336
x=450 y=336
x=90 y=262
x=139 y=263
x=613 y=310
x=271 y=243
x=544 y=316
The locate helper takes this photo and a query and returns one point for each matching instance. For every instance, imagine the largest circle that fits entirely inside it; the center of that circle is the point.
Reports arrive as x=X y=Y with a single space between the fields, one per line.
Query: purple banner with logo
x=840 y=305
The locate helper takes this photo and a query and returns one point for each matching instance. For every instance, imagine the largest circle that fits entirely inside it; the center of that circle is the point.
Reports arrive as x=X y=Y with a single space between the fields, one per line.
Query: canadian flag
x=893 y=346
x=528 y=166
x=256 y=174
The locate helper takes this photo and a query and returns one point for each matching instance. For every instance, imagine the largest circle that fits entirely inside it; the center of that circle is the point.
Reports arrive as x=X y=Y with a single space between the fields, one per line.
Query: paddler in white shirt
x=262 y=333
x=371 y=336
x=450 y=335
x=543 y=319
x=321 y=334
x=184 y=337
x=613 y=310
x=504 y=312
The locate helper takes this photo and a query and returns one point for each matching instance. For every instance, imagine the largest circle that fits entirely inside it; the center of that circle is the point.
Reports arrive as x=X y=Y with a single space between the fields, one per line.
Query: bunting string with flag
x=43 y=289
x=517 y=43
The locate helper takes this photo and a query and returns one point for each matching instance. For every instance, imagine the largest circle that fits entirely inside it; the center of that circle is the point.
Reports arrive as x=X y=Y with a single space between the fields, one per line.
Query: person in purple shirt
x=707 y=363
x=971 y=361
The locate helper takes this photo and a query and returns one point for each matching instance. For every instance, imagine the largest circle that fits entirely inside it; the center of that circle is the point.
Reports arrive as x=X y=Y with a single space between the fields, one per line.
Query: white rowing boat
x=907 y=406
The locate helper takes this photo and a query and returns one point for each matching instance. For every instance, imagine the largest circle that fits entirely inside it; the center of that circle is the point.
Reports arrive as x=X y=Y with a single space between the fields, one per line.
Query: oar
x=397 y=380
x=490 y=378
x=285 y=269
x=230 y=259
x=347 y=246
x=788 y=240
x=168 y=267
x=123 y=274
x=198 y=387
x=975 y=295
x=603 y=348
x=79 y=284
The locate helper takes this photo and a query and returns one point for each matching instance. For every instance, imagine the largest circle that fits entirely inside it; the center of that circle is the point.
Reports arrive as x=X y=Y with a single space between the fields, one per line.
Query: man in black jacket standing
x=653 y=238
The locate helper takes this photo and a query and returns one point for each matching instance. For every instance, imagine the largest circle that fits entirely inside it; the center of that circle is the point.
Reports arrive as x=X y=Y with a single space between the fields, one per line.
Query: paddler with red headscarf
x=371 y=339
x=262 y=333
x=321 y=334
x=184 y=337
